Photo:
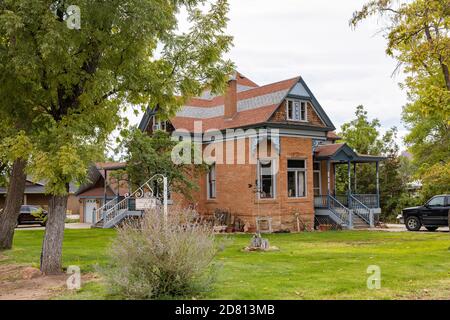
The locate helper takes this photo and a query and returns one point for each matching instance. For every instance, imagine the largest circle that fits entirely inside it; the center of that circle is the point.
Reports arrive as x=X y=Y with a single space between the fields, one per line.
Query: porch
x=348 y=209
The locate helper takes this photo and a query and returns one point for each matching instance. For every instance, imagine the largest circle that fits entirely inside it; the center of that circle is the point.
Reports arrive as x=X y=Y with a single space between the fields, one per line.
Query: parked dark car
x=31 y=215
x=432 y=215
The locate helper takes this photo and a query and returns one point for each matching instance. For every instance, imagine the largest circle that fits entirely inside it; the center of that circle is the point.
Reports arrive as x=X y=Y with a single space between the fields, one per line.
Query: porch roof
x=341 y=152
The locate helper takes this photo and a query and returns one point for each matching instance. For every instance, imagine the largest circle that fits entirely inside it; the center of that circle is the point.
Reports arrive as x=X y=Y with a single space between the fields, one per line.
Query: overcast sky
x=277 y=40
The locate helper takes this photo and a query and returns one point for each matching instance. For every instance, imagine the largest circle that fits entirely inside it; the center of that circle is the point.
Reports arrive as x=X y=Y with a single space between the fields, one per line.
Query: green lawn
x=330 y=265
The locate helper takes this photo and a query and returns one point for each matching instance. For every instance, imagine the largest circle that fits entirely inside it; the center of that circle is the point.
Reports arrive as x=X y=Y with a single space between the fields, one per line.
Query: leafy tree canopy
x=66 y=88
x=364 y=137
x=149 y=155
x=418 y=34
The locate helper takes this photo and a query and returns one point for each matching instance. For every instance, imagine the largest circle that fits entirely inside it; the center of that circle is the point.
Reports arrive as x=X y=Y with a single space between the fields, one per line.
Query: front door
x=435 y=212
x=89 y=207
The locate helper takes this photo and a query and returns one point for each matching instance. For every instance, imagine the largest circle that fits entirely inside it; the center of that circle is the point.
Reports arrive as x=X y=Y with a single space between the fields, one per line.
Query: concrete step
x=359 y=223
x=98 y=225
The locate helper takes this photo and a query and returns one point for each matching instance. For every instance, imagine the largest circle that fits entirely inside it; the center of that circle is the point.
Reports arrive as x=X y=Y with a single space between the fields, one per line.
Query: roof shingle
x=257 y=105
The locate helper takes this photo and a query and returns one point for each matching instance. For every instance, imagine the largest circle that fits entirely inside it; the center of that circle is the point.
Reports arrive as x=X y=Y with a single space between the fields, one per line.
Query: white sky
x=277 y=40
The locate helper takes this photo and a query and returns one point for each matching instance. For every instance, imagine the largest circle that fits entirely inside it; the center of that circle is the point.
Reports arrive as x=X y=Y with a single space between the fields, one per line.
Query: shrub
x=158 y=258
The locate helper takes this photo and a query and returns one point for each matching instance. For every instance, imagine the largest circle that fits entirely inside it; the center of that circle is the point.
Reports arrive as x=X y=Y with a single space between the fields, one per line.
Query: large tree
x=127 y=52
x=16 y=119
x=149 y=155
x=14 y=154
x=364 y=136
x=418 y=34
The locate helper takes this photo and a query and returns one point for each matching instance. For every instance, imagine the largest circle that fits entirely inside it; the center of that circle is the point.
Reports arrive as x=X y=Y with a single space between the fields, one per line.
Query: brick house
x=102 y=187
x=292 y=188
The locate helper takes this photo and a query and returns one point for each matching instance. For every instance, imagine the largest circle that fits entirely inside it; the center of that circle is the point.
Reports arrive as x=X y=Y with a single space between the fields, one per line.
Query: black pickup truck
x=432 y=215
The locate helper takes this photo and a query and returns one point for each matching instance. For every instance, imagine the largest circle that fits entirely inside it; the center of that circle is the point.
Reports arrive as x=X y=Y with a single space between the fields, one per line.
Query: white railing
x=98 y=213
x=112 y=209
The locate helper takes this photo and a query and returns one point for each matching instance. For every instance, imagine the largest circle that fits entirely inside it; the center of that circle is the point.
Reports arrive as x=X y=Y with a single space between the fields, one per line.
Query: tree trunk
x=14 y=199
x=54 y=234
x=446 y=73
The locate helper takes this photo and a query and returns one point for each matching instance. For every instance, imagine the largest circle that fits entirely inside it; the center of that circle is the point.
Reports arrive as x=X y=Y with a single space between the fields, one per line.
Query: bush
x=157 y=259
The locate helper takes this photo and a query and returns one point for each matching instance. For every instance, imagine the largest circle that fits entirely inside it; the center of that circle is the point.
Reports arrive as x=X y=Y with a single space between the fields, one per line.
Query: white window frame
x=259 y=178
x=302 y=103
x=320 y=177
x=208 y=187
x=162 y=125
x=297 y=170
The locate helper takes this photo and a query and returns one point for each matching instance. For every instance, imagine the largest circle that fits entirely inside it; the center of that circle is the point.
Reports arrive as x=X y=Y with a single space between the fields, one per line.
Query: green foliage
x=149 y=155
x=420 y=270
x=418 y=34
x=436 y=180
x=14 y=147
x=66 y=89
x=362 y=134
x=39 y=214
x=364 y=137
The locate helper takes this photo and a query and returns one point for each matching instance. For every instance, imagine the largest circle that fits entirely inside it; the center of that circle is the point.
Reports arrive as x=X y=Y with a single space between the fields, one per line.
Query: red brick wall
x=234 y=194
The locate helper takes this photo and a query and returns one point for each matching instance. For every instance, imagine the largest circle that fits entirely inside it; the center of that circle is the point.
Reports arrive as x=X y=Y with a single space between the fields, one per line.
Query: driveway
x=402 y=228
x=67 y=226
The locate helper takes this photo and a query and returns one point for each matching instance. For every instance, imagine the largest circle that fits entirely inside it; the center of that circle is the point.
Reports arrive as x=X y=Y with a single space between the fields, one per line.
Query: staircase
x=115 y=211
x=353 y=215
x=359 y=223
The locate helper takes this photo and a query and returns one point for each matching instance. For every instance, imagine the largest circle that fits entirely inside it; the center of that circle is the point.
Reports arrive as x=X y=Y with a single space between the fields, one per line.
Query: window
x=437 y=202
x=317 y=179
x=296 y=110
x=296 y=177
x=266 y=179
x=211 y=182
x=158 y=124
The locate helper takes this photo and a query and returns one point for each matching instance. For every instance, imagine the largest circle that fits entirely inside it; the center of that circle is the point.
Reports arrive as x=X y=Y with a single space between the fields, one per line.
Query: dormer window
x=296 y=110
x=158 y=125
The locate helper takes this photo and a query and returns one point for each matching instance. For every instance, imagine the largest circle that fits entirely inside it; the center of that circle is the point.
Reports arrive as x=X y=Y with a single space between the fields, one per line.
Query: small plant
x=161 y=257
x=40 y=215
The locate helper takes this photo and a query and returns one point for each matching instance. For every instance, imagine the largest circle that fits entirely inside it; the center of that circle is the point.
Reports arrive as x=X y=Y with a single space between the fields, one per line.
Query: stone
x=259 y=244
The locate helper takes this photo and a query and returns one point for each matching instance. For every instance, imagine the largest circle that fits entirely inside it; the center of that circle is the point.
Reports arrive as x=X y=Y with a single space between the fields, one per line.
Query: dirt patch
x=18 y=282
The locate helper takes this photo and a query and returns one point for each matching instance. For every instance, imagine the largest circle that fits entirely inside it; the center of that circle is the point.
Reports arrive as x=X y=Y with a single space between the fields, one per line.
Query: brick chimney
x=230 y=104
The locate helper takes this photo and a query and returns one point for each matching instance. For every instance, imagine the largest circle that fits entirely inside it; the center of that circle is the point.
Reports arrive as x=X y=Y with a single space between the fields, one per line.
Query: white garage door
x=89 y=207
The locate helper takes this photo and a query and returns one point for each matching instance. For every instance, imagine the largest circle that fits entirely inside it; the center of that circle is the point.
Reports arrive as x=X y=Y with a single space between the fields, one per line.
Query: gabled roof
x=32 y=187
x=342 y=152
x=110 y=165
x=331 y=135
x=96 y=173
x=255 y=106
x=332 y=150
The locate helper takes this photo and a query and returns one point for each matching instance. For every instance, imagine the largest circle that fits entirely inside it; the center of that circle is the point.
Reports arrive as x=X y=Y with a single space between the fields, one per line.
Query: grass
x=85 y=248
x=329 y=265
